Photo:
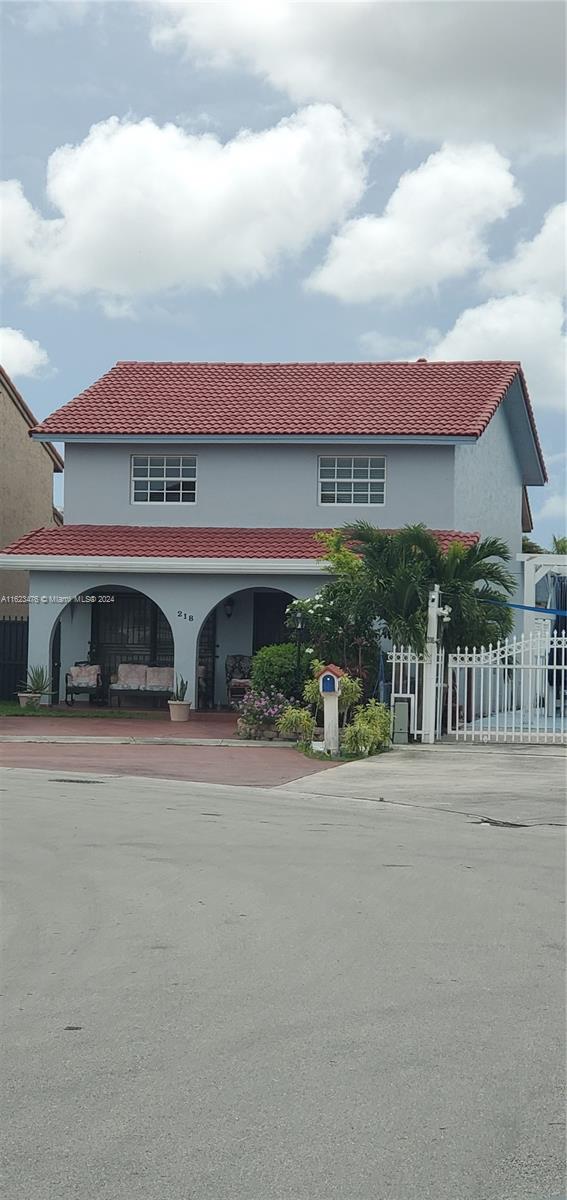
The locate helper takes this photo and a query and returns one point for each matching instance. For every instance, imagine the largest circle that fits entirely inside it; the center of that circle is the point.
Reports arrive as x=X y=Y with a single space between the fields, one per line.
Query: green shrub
x=296 y=722
x=274 y=668
x=369 y=730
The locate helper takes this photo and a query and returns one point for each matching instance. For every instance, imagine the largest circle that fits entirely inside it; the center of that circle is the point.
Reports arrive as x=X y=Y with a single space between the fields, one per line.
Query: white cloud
x=528 y=328
x=433 y=228
x=20 y=355
x=554 y=507
x=536 y=266
x=145 y=208
x=50 y=16
x=438 y=71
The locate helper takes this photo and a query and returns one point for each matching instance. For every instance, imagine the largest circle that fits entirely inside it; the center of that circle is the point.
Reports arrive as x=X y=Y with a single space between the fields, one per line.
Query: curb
x=71 y=740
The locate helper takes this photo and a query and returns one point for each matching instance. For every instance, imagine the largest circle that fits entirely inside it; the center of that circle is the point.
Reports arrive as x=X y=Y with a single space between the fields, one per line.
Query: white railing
x=408 y=673
x=515 y=691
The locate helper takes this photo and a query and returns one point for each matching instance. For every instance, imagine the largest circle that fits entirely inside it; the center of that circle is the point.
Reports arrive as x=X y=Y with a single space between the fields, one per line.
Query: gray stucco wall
x=265 y=485
x=192 y=595
x=488 y=488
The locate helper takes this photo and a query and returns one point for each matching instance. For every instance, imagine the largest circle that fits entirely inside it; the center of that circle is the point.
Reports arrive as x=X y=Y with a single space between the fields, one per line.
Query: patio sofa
x=83 y=679
x=139 y=680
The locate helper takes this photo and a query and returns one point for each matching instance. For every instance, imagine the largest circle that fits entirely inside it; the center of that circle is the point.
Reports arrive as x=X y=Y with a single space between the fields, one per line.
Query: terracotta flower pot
x=179 y=710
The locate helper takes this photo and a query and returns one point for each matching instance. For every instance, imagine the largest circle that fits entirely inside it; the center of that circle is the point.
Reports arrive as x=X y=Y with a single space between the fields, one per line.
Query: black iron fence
x=13 y=655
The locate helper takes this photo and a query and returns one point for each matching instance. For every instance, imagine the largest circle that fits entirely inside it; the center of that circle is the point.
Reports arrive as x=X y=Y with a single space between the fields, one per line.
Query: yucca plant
x=37 y=681
x=180 y=690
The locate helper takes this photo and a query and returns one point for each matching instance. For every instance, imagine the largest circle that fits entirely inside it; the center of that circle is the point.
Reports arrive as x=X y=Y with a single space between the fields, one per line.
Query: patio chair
x=83 y=679
x=238 y=682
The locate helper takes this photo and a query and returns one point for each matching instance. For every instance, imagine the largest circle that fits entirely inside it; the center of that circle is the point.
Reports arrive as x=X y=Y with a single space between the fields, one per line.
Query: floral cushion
x=159 y=678
x=237 y=667
x=131 y=675
x=82 y=676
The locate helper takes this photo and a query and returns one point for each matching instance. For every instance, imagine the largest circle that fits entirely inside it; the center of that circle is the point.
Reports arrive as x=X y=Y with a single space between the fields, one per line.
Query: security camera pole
x=434 y=612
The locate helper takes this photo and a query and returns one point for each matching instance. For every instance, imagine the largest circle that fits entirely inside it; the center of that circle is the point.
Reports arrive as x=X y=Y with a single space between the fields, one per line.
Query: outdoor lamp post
x=299 y=624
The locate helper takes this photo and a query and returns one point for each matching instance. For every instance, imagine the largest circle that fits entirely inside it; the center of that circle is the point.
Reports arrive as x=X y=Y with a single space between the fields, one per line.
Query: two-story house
x=192 y=492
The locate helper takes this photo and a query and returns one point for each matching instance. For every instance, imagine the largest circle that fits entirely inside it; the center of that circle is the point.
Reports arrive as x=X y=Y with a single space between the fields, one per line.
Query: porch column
x=529 y=593
x=42 y=617
x=185 y=654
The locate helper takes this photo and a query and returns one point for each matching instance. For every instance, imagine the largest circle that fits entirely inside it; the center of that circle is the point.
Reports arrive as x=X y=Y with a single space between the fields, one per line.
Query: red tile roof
x=136 y=541
x=318 y=398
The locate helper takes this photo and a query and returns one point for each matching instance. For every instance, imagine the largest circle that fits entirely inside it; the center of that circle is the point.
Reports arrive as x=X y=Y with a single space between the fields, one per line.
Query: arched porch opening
x=108 y=626
x=238 y=625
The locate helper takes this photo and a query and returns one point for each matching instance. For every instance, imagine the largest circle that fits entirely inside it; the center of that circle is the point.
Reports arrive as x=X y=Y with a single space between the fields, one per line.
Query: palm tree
x=531 y=547
x=558 y=545
x=402 y=567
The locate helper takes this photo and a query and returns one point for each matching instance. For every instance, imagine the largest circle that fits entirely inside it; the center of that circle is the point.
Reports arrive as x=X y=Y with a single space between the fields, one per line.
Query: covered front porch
x=196 y=625
x=180 y=599
x=109 y=626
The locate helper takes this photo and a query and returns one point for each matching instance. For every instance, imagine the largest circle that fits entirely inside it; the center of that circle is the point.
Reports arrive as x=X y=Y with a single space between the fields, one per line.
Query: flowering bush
x=261 y=709
x=338 y=626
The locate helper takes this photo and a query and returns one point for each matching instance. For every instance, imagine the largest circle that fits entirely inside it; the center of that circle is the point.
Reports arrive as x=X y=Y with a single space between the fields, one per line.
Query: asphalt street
x=234 y=993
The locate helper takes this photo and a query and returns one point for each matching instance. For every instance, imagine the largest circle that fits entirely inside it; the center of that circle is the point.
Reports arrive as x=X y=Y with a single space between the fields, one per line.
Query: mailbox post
x=330 y=689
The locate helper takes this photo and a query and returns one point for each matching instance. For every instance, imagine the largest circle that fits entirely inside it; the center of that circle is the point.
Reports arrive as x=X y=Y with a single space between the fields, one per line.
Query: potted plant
x=36 y=685
x=179 y=706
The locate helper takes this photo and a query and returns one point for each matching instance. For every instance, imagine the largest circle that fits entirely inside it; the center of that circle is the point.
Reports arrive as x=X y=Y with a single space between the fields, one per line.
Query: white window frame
x=353 y=459
x=165 y=504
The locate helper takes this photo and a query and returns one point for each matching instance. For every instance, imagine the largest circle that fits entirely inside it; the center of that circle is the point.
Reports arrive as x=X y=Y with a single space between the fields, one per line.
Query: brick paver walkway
x=199 y=725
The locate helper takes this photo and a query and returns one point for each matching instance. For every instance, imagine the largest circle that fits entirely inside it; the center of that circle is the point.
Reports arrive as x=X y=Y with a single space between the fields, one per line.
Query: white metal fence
x=408 y=673
x=515 y=691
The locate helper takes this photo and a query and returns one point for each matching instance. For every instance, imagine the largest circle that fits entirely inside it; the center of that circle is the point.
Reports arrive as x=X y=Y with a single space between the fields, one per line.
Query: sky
x=285 y=181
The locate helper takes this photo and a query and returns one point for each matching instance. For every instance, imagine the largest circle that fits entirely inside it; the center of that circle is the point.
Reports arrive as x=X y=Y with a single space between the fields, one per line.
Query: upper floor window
x=164 y=478
x=352 y=479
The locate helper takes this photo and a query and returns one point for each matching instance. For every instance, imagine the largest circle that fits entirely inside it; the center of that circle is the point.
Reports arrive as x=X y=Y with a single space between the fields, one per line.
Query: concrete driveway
x=226 y=993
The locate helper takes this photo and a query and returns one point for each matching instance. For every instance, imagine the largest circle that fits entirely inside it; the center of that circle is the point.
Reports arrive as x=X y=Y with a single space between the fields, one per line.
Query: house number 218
x=185 y=616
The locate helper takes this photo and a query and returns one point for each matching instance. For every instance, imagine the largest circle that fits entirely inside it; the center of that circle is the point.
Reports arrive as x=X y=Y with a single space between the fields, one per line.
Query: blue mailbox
x=330 y=680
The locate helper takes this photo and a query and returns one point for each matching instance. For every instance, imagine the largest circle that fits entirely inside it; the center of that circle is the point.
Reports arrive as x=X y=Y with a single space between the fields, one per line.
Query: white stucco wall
x=259 y=486
x=488 y=488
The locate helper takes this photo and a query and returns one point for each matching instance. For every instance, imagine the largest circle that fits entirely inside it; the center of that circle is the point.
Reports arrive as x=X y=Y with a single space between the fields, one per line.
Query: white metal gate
x=408 y=673
x=515 y=691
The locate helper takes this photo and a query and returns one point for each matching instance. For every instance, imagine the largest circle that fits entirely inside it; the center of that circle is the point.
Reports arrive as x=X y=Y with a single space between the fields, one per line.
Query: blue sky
x=285 y=181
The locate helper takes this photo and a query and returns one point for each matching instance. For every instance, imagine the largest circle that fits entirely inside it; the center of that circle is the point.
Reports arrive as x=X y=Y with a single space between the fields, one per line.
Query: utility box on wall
x=402 y=719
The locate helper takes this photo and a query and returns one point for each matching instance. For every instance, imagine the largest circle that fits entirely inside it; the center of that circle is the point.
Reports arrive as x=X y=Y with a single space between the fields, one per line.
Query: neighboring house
x=192 y=492
x=26 y=488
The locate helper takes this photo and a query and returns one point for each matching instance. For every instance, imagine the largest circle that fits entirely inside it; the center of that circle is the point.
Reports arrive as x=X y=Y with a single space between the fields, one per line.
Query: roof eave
x=533 y=427
x=118 y=564
x=31 y=421
x=446 y=439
